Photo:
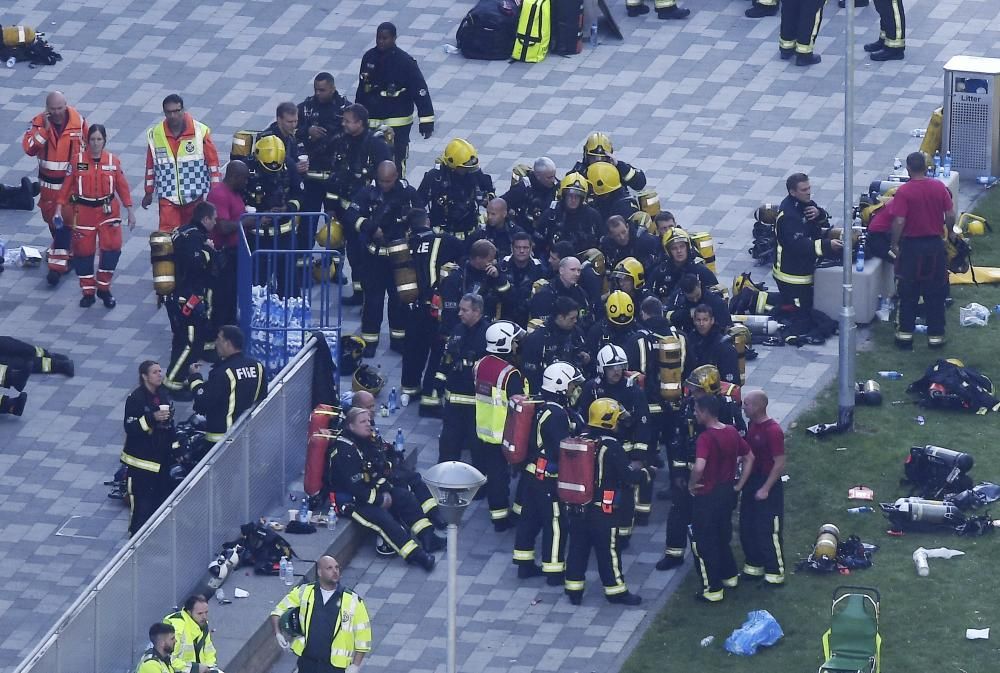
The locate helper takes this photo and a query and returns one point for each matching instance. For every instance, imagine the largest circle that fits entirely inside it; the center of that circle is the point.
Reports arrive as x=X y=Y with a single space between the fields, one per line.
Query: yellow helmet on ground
x=956 y=362
x=620 y=308
x=705 y=377
x=574 y=182
x=598 y=144
x=330 y=234
x=605 y=413
x=460 y=155
x=366 y=378
x=632 y=268
x=676 y=235
x=604 y=178
x=270 y=153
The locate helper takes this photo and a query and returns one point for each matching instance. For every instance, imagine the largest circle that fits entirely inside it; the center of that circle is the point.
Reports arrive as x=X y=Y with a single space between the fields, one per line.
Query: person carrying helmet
x=626 y=239
x=598 y=148
x=624 y=386
x=193 y=651
x=496 y=380
x=378 y=216
x=689 y=296
x=533 y=193
x=327 y=624
x=541 y=510
x=618 y=327
x=607 y=194
x=466 y=345
x=522 y=269
x=181 y=164
x=592 y=526
x=456 y=188
x=569 y=218
x=559 y=338
x=566 y=284
x=680 y=259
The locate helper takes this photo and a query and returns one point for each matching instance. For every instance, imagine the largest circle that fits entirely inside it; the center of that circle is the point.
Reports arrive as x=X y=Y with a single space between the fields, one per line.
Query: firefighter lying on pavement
x=194 y=651
x=364 y=493
x=593 y=525
x=18 y=360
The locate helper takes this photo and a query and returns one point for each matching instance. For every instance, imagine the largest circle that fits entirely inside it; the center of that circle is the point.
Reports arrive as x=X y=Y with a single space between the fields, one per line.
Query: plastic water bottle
x=859 y=265
x=987 y=180
x=897 y=165
x=289 y=573
x=304 y=511
x=283 y=570
x=947 y=164
x=920 y=561
x=57 y=222
x=331 y=517
x=400 y=443
x=937 y=163
x=593 y=34
x=890 y=374
x=860 y=510
x=393 y=400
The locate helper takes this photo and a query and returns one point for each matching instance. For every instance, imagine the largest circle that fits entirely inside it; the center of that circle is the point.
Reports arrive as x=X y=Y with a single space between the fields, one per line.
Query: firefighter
x=625 y=239
x=629 y=276
x=714 y=487
x=424 y=345
x=377 y=214
x=320 y=123
x=801 y=243
x=680 y=260
x=533 y=194
x=466 y=345
x=189 y=307
x=498 y=229
x=522 y=270
x=496 y=381
x=618 y=327
x=149 y=439
x=891 y=42
x=193 y=651
x=592 y=526
x=479 y=275
x=691 y=294
x=608 y=196
x=800 y=21
x=181 y=164
x=28 y=358
x=372 y=501
x=541 y=511
x=236 y=383
x=94 y=188
x=599 y=149
x=761 y=8
x=390 y=84
x=569 y=218
x=284 y=128
x=357 y=152
x=592 y=272
x=559 y=338
x=227 y=197
x=54 y=138
x=158 y=658
x=565 y=284
x=456 y=188
x=707 y=345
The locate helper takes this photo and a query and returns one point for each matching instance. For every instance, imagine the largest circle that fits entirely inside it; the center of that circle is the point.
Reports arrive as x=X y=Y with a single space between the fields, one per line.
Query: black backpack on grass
x=947 y=384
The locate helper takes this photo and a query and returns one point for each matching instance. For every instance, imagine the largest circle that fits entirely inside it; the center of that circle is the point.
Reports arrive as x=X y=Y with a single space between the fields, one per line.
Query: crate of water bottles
x=279 y=327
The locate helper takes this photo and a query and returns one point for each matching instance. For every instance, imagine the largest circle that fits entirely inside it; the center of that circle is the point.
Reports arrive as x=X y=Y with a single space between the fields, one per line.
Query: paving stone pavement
x=704 y=106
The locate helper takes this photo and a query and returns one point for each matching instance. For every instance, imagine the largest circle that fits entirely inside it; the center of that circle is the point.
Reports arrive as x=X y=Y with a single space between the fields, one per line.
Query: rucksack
x=262 y=548
x=487 y=31
x=534 y=28
x=949 y=385
x=24 y=44
x=567 y=27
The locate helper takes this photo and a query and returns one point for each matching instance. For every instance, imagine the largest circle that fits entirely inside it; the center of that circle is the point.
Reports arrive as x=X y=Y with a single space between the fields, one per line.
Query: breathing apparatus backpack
x=262 y=548
x=934 y=471
x=23 y=43
x=948 y=384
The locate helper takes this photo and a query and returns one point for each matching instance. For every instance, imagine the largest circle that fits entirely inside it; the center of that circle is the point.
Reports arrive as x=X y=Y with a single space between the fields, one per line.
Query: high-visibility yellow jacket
x=496 y=382
x=354 y=631
x=192 y=645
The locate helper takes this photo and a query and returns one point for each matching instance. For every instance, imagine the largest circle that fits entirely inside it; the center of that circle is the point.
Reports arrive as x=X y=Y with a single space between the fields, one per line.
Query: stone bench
x=875 y=280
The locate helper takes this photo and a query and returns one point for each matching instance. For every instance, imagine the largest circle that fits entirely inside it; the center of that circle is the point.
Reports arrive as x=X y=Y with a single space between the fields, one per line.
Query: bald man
x=378 y=215
x=762 y=509
x=227 y=197
x=499 y=229
x=55 y=135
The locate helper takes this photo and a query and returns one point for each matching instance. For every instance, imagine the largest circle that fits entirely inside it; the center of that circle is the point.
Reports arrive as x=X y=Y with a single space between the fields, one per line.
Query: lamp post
x=847 y=342
x=453 y=484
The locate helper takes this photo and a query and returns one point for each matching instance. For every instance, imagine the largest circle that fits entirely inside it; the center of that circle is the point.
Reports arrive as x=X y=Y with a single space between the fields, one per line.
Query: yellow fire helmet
x=604 y=178
x=705 y=377
x=643 y=221
x=574 y=182
x=632 y=268
x=270 y=153
x=676 y=235
x=368 y=379
x=956 y=362
x=330 y=234
x=605 y=413
x=620 y=308
x=460 y=155
x=598 y=144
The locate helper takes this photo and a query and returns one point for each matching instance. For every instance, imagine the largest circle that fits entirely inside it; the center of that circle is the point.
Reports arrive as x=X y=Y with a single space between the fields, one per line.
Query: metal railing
x=244 y=476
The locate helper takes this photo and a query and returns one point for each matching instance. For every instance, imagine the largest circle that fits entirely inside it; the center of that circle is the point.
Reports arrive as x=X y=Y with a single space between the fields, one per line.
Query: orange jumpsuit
x=90 y=191
x=54 y=149
x=173 y=215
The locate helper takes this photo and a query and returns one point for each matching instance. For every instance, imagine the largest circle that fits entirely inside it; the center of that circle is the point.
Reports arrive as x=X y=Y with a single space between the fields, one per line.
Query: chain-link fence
x=243 y=477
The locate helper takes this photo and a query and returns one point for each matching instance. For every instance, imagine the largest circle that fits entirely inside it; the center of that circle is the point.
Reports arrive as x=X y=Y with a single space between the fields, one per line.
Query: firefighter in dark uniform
x=356 y=154
x=149 y=440
x=608 y=196
x=559 y=338
x=320 y=122
x=891 y=42
x=800 y=21
x=455 y=189
x=680 y=260
x=377 y=214
x=430 y=251
x=465 y=347
x=569 y=218
x=707 y=345
x=801 y=243
x=189 y=307
x=625 y=239
x=591 y=526
x=498 y=229
x=363 y=493
x=390 y=85
x=541 y=511
x=565 y=284
x=629 y=276
x=598 y=148
x=625 y=388
x=592 y=272
x=522 y=270
x=691 y=295
x=235 y=384
x=285 y=128
x=533 y=194
x=618 y=327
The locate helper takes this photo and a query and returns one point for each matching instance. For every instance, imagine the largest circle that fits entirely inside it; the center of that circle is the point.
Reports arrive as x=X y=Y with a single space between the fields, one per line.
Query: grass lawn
x=923 y=618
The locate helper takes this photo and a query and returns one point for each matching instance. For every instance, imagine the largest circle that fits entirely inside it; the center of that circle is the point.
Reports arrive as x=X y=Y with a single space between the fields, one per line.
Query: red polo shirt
x=923 y=202
x=767 y=441
x=720 y=447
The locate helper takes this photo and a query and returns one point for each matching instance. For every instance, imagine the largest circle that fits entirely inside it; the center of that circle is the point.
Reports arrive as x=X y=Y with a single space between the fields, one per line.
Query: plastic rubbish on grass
x=973 y=315
x=760 y=628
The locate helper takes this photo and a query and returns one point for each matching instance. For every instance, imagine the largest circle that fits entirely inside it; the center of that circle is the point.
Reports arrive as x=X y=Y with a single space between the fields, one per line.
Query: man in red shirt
x=714 y=486
x=762 y=505
x=227 y=198
x=923 y=214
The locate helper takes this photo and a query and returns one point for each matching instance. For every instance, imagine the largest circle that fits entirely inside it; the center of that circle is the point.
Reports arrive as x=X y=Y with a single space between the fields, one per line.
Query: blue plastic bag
x=760 y=628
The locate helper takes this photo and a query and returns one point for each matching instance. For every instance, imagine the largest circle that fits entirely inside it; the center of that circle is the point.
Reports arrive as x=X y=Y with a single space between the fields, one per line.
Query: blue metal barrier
x=286 y=289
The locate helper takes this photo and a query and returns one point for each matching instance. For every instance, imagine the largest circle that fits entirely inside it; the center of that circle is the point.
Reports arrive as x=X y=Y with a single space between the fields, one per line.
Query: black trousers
x=541 y=512
x=762 y=524
x=146 y=491
x=314 y=196
x=224 y=290
x=421 y=334
x=678 y=519
x=190 y=334
x=891 y=23
x=18 y=354
x=392 y=523
x=594 y=530
x=922 y=273
x=377 y=282
x=712 y=532
x=458 y=431
x=401 y=147
x=306 y=665
x=800 y=20
x=488 y=459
